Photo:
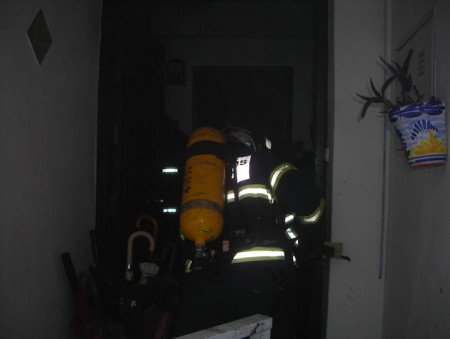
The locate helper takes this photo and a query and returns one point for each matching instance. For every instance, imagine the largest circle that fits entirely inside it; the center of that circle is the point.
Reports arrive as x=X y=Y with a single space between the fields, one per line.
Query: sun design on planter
x=420 y=127
x=431 y=145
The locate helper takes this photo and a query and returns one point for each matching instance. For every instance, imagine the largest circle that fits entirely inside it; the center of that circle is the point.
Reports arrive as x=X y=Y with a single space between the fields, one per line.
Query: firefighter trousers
x=240 y=290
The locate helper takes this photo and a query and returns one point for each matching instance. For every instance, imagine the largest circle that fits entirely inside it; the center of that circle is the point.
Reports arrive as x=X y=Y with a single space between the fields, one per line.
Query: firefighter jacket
x=266 y=201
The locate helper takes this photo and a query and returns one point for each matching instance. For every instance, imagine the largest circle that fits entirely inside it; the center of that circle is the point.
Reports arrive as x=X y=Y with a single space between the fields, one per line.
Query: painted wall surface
x=355 y=288
x=417 y=297
x=47 y=162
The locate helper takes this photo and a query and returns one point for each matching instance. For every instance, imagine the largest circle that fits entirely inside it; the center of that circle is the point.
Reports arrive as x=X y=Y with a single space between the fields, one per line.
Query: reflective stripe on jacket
x=257 y=181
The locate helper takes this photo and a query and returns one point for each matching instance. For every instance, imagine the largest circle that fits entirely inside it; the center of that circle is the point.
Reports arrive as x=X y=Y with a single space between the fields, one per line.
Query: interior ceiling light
x=170 y=210
x=170 y=170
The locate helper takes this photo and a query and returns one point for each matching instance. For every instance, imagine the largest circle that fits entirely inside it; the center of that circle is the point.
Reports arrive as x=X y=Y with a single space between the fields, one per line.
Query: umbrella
x=148 y=268
x=140 y=222
x=158 y=318
x=83 y=313
x=137 y=296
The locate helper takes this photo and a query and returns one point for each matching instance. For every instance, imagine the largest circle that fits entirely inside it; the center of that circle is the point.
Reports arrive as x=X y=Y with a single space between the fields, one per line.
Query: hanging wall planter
x=422 y=132
x=420 y=125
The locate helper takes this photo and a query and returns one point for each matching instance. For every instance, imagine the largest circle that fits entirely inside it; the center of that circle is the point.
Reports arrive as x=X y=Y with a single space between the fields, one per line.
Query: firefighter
x=269 y=202
x=267 y=196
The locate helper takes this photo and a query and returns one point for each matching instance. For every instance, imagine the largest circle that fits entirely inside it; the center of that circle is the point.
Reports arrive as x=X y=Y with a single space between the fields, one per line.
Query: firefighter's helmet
x=244 y=137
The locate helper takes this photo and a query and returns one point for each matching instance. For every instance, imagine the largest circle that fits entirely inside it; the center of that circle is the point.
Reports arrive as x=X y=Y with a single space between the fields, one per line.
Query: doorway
x=134 y=128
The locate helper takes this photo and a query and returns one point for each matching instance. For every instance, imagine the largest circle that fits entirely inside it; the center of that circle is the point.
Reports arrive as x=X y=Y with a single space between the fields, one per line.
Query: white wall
x=411 y=300
x=417 y=300
x=47 y=162
x=355 y=289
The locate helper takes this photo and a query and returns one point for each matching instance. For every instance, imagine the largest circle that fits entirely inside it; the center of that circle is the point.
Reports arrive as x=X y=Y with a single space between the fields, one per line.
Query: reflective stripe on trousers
x=259 y=254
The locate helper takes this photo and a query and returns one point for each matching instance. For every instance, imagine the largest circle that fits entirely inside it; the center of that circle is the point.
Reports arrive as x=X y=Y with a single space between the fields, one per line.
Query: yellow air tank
x=203 y=196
